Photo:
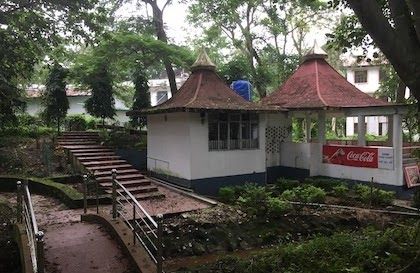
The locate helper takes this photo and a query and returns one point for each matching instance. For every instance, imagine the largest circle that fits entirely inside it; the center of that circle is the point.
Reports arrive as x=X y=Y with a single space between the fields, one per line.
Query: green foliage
x=235 y=69
x=80 y=122
x=277 y=207
x=227 y=194
x=29 y=30
x=324 y=183
x=305 y=194
x=101 y=103
x=141 y=96
x=358 y=252
x=55 y=97
x=254 y=199
x=282 y=184
x=123 y=139
x=374 y=195
x=340 y=190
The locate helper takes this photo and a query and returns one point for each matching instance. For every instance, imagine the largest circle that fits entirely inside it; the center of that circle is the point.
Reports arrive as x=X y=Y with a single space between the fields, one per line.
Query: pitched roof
x=204 y=90
x=315 y=84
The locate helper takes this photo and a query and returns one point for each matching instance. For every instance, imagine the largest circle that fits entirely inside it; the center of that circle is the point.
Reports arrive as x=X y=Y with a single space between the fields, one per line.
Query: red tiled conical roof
x=204 y=90
x=315 y=84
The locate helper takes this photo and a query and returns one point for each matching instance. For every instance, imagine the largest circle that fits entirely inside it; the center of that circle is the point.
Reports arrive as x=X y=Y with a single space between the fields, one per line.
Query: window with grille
x=233 y=131
x=360 y=76
x=161 y=97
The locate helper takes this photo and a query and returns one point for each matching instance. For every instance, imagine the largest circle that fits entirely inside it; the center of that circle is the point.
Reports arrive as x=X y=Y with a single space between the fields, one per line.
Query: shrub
x=305 y=194
x=227 y=194
x=283 y=184
x=374 y=196
x=254 y=199
x=340 y=190
x=277 y=207
x=323 y=182
x=80 y=122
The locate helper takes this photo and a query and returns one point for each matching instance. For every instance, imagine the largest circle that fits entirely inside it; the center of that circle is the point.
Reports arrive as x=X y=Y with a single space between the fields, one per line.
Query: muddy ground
x=225 y=228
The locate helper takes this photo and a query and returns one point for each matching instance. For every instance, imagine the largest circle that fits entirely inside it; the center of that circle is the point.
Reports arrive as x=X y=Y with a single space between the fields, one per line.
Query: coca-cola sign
x=350 y=156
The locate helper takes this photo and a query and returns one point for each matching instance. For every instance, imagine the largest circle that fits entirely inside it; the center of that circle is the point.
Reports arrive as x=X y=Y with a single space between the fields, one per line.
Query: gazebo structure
x=316 y=91
x=207 y=136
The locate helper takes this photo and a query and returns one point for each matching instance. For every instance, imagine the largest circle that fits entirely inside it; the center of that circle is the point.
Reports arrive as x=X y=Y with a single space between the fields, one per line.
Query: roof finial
x=316 y=52
x=203 y=61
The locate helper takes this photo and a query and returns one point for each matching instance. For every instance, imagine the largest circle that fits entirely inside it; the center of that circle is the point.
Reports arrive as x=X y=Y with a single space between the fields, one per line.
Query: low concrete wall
x=137 y=158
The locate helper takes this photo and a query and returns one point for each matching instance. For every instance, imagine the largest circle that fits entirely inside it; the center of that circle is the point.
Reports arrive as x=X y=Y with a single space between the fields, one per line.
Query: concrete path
x=72 y=246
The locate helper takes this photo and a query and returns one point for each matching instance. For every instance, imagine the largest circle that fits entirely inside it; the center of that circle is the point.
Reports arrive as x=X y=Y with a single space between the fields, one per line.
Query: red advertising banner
x=365 y=157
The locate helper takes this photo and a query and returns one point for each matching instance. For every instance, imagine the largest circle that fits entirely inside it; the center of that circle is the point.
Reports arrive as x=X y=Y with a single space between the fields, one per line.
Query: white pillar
x=361 y=130
x=321 y=127
x=397 y=144
x=308 y=122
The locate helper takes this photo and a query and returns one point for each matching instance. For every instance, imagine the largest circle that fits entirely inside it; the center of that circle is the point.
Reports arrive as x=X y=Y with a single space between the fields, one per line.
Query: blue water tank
x=243 y=88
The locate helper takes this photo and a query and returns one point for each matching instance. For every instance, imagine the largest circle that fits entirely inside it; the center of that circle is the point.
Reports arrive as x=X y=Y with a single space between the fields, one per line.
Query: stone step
x=127 y=171
x=79 y=132
x=121 y=177
x=128 y=184
x=109 y=167
x=61 y=138
x=78 y=143
x=103 y=163
x=146 y=196
x=81 y=154
x=92 y=150
x=135 y=190
x=87 y=146
x=98 y=158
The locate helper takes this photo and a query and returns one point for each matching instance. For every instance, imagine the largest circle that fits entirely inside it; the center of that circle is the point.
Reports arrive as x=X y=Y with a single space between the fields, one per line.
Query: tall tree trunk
x=400 y=96
x=161 y=36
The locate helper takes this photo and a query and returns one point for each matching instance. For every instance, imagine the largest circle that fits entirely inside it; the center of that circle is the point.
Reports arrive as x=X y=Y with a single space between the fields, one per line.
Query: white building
x=77 y=99
x=207 y=136
x=160 y=90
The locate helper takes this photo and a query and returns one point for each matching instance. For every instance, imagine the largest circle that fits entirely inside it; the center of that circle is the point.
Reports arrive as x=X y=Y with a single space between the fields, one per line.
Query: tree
x=55 y=97
x=141 y=95
x=254 y=26
x=394 y=27
x=101 y=102
x=28 y=31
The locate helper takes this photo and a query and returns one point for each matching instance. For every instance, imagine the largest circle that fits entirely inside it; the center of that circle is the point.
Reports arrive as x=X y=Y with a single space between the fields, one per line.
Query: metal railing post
x=96 y=193
x=114 y=193
x=134 y=224
x=19 y=202
x=85 y=188
x=159 y=258
x=40 y=251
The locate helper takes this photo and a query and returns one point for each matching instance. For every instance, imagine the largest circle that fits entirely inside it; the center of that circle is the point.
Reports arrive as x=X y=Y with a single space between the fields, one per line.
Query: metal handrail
x=26 y=216
x=145 y=229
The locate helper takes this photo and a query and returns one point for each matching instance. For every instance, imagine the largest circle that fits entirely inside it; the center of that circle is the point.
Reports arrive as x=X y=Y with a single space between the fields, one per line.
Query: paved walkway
x=72 y=246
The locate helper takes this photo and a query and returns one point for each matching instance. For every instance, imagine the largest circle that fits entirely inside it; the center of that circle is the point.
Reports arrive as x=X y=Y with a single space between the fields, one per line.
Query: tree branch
x=414 y=6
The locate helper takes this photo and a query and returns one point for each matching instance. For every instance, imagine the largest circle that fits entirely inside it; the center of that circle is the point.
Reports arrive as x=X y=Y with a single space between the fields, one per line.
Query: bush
x=282 y=184
x=340 y=190
x=254 y=199
x=32 y=131
x=305 y=194
x=80 y=122
x=277 y=207
x=374 y=196
x=323 y=182
x=227 y=194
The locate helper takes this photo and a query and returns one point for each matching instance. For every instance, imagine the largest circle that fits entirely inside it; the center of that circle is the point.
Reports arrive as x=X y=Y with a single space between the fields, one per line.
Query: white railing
x=26 y=216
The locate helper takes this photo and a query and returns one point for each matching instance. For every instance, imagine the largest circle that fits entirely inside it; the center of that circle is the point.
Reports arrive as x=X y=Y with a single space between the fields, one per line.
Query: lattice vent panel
x=274 y=136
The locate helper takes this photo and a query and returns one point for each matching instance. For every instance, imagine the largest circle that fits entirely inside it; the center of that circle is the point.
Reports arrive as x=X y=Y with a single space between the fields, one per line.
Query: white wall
x=295 y=155
x=205 y=163
x=372 y=83
x=277 y=121
x=372 y=125
x=169 y=141
x=153 y=95
x=76 y=106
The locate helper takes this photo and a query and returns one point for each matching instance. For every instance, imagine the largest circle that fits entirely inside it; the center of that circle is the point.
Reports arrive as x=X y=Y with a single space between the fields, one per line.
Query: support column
x=321 y=128
x=397 y=144
x=361 y=130
x=308 y=122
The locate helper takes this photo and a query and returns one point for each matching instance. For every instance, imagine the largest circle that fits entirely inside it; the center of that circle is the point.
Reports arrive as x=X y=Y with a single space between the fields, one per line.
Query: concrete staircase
x=87 y=153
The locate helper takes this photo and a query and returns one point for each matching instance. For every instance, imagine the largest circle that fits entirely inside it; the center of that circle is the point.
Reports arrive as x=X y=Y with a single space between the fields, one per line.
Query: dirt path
x=72 y=246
